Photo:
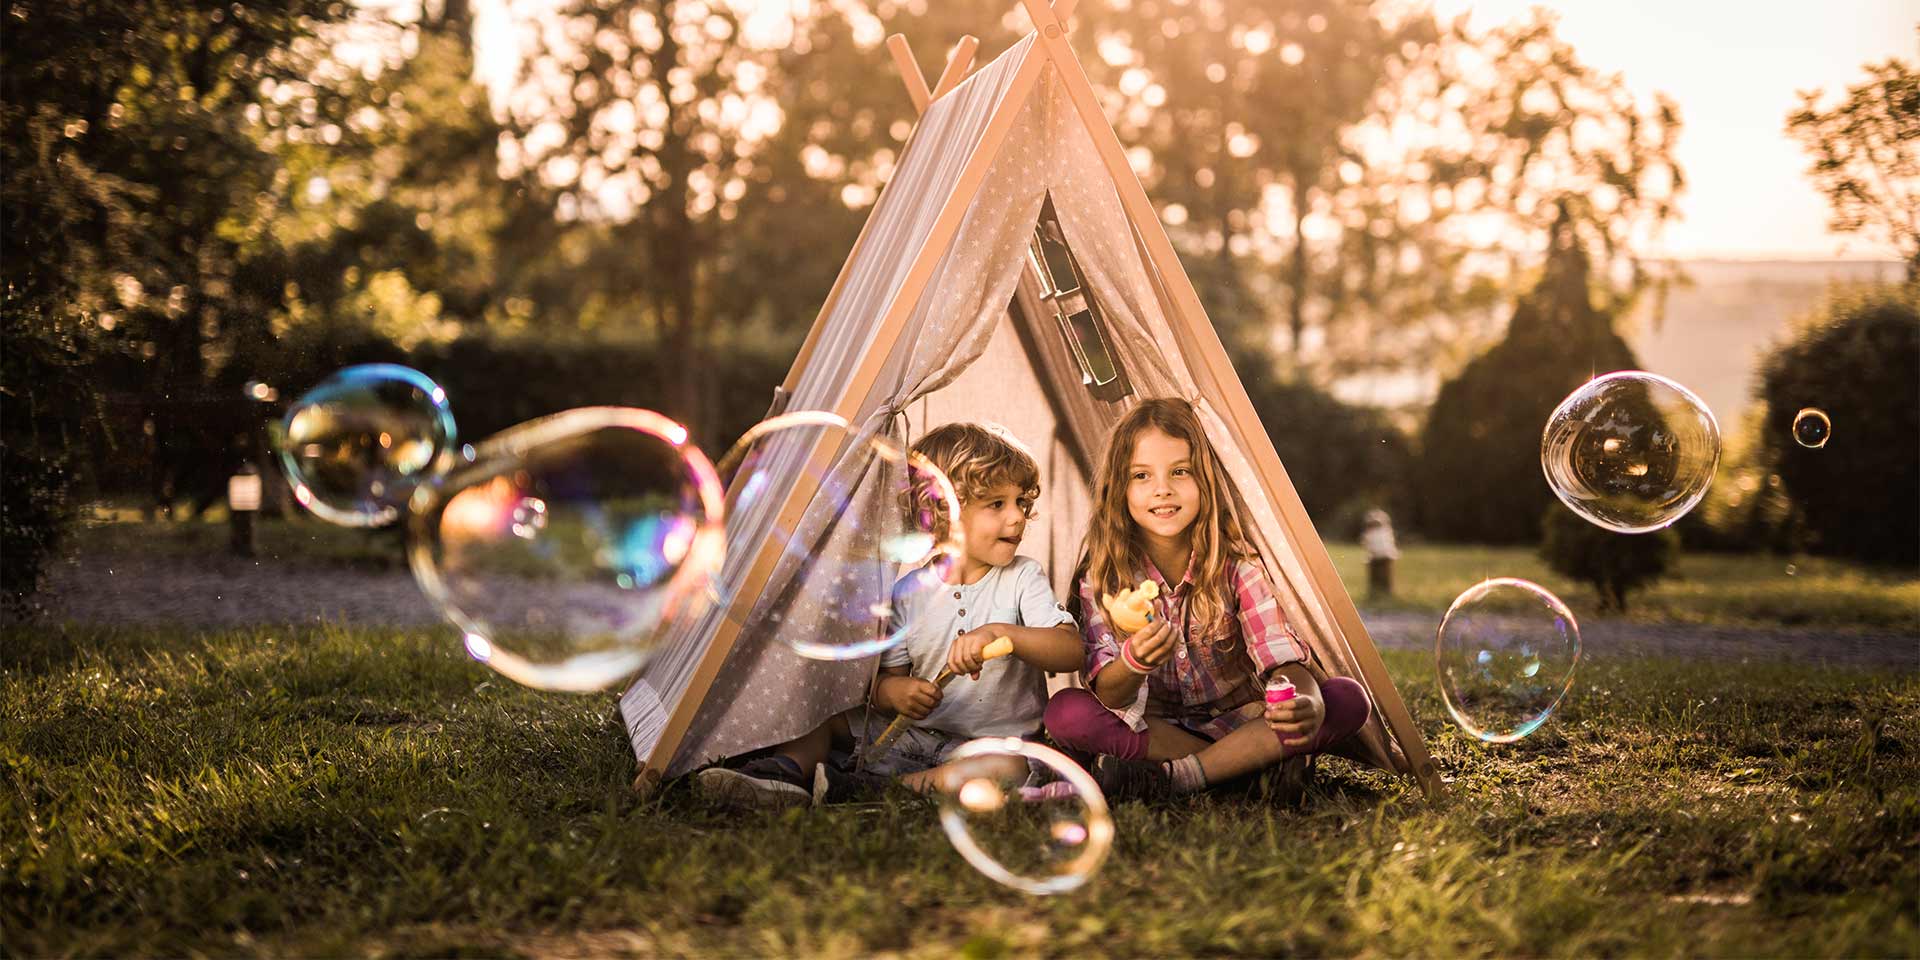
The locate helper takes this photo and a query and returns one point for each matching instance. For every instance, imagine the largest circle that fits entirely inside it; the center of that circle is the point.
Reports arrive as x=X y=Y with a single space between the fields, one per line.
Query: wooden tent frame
x=1212 y=370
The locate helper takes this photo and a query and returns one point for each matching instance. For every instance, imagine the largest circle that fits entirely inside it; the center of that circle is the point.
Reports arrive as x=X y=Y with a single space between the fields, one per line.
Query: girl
x=1179 y=704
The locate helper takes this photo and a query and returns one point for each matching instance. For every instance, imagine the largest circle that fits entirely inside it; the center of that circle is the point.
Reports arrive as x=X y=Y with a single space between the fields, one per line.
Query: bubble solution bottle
x=1279 y=690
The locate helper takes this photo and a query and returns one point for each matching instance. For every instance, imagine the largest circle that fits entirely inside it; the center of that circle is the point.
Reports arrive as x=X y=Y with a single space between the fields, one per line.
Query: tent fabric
x=795 y=694
x=964 y=354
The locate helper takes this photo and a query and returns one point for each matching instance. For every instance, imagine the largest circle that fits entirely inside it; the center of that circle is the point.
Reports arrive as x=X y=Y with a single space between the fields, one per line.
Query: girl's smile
x=1163 y=496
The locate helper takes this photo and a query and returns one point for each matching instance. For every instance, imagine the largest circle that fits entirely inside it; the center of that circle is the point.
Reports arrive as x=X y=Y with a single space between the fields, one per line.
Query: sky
x=1735 y=68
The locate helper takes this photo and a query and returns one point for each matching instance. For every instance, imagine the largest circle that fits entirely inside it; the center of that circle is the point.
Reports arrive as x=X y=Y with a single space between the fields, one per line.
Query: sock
x=1187 y=775
x=1057 y=790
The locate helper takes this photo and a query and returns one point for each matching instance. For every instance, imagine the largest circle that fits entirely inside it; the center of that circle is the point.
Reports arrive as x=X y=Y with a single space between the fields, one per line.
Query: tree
x=1341 y=458
x=1480 y=150
x=1860 y=493
x=692 y=144
x=1616 y=564
x=1478 y=475
x=1866 y=156
x=130 y=177
x=1236 y=112
x=1368 y=180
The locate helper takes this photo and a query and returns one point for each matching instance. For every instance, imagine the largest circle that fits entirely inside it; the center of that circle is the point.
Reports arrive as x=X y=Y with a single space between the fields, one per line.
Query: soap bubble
x=1811 y=428
x=1036 y=839
x=355 y=446
x=569 y=543
x=1631 y=451
x=862 y=530
x=1505 y=652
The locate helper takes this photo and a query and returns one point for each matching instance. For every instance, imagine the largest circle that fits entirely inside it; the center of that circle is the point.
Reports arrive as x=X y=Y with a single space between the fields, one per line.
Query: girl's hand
x=910 y=697
x=1153 y=645
x=1300 y=716
x=965 y=656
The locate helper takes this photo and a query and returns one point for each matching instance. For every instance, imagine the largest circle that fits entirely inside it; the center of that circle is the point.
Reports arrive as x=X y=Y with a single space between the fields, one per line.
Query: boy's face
x=994 y=523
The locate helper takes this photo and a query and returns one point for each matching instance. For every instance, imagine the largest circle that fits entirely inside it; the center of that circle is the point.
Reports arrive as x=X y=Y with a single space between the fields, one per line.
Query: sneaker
x=769 y=783
x=834 y=784
x=1132 y=779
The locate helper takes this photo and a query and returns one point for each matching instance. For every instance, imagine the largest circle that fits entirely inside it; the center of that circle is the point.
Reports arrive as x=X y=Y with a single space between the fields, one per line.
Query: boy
x=990 y=593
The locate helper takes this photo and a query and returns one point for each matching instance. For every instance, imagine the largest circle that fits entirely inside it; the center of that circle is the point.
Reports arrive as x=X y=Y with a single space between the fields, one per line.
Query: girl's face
x=1163 y=496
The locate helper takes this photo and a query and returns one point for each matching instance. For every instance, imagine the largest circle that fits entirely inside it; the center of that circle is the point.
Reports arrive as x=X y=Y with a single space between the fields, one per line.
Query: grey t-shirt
x=1011 y=694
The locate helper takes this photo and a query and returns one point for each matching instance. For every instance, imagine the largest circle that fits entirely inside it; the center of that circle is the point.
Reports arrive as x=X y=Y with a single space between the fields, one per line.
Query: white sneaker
x=765 y=784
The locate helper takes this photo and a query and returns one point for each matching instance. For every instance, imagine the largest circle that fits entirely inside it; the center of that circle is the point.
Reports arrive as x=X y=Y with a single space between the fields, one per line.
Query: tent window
x=1063 y=291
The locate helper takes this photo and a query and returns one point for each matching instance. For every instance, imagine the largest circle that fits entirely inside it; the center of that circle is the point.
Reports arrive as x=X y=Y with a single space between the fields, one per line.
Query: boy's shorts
x=914 y=750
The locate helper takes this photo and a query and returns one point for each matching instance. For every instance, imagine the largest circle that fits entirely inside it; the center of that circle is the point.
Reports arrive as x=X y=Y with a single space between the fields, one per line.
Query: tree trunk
x=1297 y=267
x=675 y=246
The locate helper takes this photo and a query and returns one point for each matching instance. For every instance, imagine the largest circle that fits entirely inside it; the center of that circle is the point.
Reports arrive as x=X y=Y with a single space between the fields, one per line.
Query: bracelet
x=1126 y=658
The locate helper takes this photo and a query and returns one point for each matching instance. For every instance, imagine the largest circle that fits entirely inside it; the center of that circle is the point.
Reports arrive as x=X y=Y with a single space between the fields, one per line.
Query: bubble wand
x=999 y=647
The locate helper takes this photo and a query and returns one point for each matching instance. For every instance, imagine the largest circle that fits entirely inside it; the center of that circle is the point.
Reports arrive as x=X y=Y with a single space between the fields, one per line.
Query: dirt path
x=226 y=592
x=1721 y=644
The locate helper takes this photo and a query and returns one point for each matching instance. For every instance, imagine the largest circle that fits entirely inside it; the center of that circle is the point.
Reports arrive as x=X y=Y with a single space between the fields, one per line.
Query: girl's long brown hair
x=1115 y=552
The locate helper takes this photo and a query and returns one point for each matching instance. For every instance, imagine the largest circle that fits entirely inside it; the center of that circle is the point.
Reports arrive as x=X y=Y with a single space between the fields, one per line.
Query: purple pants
x=1077 y=720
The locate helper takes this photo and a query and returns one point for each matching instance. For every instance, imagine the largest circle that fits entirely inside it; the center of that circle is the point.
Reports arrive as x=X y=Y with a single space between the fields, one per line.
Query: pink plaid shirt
x=1210 y=675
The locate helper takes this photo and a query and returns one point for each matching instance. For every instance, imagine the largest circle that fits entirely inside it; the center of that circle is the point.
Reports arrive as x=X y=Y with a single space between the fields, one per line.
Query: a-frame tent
x=939 y=315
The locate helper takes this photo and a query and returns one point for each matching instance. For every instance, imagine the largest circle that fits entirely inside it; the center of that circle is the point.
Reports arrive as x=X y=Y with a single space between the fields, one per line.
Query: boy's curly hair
x=976 y=458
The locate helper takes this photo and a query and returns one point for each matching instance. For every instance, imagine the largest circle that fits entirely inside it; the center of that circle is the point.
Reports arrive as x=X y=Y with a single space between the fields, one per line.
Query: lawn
x=1718 y=588
x=334 y=792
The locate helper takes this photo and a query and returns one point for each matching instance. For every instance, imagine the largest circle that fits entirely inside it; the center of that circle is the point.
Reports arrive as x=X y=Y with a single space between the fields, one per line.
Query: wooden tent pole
x=957 y=66
x=909 y=73
x=1190 y=317
x=874 y=356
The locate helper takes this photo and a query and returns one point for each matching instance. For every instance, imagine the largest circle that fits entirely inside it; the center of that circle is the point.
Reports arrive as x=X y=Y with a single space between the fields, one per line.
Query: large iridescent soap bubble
x=570 y=544
x=1630 y=451
x=356 y=445
x=860 y=532
x=1040 y=839
x=1505 y=655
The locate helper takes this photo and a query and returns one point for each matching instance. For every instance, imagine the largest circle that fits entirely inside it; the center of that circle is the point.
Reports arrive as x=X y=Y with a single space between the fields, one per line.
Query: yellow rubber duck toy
x=1132 y=610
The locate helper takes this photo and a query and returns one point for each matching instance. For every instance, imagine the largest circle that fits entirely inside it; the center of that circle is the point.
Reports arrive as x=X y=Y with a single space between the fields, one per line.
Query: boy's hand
x=1300 y=716
x=967 y=653
x=1154 y=644
x=910 y=697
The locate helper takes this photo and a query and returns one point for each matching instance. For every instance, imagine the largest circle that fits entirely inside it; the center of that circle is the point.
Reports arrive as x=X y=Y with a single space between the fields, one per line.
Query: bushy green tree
x=1341 y=458
x=1478 y=475
x=1616 y=564
x=1860 y=493
x=34 y=510
x=130 y=180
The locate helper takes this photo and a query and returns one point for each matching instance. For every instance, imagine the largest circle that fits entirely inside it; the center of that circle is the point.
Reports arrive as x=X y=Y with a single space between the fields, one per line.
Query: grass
x=303 y=541
x=331 y=792
x=1707 y=588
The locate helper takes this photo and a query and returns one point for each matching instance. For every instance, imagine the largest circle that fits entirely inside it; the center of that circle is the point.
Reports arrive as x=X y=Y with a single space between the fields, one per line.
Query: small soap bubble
x=570 y=543
x=1630 y=451
x=355 y=446
x=1024 y=815
x=1505 y=655
x=871 y=533
x=1811 y=428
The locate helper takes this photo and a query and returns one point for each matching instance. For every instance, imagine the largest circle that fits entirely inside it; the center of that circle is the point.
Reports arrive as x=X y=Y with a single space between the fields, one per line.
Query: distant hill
x=1715 y=329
